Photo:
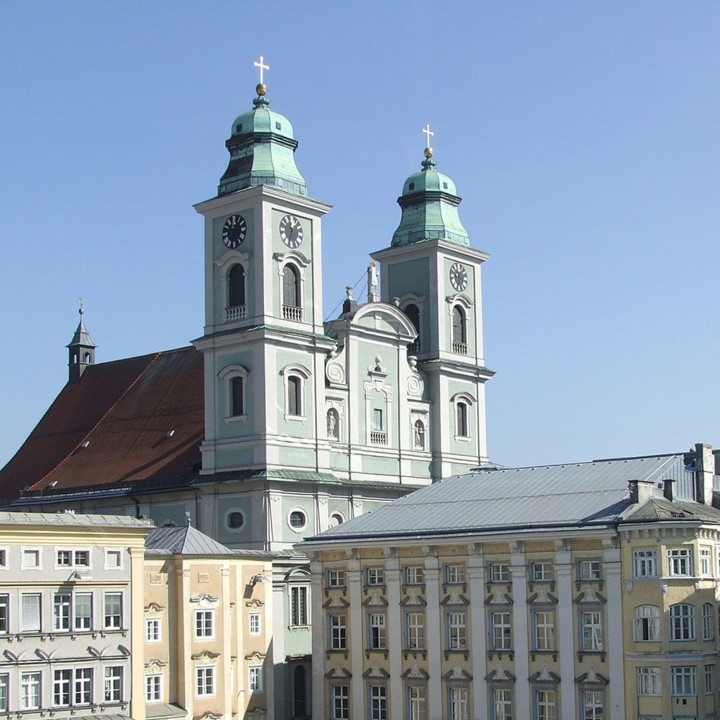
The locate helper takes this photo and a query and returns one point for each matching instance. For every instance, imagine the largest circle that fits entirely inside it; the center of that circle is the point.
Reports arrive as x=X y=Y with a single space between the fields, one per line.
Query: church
x=276 y=424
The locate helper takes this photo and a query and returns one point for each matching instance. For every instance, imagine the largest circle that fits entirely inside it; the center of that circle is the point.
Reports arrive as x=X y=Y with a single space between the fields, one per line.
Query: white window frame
x=374 y=576
x=543 y=625
x=378 y=704
x=204 y=624
x=205 y=681
x=414 y=575
x=414 y=631
x=35 y=627
x=680 y=562
x=31 y=558
x=82 y=686
x=502 y=704
x=455 y=574
x=339 y=702
x=708 y=621
x=299 y=605
x=589 y=570
x=377 y=631
x=417 y=702
x=645 y=563
x=499 y=573
x=4 y=613
x=545 y=703
x=457 y=634
x=683 y=681
x=458 y=703
x=682 y=622
x=501 y=629
x=255 y=678
x=113 y=684
x=646 y=623
x=649 y=681
x=591 y=627
x=254 y=624
x=111 y=553
x=74 y=555
x=153 y=630
x=593 y=704
x=336 y=578
x=30 y=690
x=337 y=632
x=154 y=688
x=4 y=691
x=111 y=619
x=541 y=571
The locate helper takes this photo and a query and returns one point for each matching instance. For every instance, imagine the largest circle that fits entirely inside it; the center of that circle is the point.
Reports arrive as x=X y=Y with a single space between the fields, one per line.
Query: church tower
x=81 y=351
x=263 y=339
x=433 y=274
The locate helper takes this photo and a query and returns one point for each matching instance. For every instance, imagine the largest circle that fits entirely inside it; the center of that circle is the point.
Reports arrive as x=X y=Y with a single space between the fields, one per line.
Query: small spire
x=260 y=89
x=428 y=162
x=81 y=348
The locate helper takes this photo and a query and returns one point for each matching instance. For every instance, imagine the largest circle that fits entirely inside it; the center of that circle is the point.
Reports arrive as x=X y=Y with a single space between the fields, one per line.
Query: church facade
x=276 y=424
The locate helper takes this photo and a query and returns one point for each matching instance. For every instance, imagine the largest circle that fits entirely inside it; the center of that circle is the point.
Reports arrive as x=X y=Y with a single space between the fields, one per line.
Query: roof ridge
x=107 y=412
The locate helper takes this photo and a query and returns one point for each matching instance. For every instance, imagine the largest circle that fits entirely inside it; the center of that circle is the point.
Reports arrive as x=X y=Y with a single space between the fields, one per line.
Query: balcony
x=460 y=348
x=290 y=312
x=235 y=312
x=377 y=437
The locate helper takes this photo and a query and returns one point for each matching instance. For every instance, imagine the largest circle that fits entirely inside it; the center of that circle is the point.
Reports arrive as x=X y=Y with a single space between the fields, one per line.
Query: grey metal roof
x=510 y=498
x=184 y=540
x=164 y=710
x=72 y=519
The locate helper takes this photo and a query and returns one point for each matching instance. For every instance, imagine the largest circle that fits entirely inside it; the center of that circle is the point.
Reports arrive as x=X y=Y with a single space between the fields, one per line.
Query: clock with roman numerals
x=458 y=276
x=234 y=231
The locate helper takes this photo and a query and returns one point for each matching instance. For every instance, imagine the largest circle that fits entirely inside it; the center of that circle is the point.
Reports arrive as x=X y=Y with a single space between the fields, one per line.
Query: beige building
x=548 y=593
x=207 y=628
x=71 y=614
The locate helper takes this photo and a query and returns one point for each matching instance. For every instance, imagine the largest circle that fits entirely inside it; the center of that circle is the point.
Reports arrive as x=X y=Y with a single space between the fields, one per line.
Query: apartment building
x=71 y=609
x=577 y=591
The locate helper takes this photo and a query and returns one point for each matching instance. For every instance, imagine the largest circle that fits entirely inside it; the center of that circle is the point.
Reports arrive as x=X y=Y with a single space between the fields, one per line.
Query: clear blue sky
x=582 y=136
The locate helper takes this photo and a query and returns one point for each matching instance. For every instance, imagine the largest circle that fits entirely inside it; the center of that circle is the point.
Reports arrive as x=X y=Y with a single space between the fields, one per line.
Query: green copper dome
x=429 y=203
x=262 y=147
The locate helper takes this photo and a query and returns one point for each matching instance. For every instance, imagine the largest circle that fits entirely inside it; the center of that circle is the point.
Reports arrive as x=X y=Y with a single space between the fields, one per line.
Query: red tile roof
x=126 y=411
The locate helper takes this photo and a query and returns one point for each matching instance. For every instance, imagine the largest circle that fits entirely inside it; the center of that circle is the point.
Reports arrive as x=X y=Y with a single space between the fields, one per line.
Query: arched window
x=236 y=292
x=291 y=293
x=461 y=420
x=459 y=331
x=294 y=395
x=682 y=622
x=646 y=623
x=413 y=315
x=333 y=424
x=237 y=396
x=419 y=435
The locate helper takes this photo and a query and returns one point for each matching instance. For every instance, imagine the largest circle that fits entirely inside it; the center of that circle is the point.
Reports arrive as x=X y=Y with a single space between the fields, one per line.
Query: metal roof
x=184 y=540
x=72 y=519
x=511 y=498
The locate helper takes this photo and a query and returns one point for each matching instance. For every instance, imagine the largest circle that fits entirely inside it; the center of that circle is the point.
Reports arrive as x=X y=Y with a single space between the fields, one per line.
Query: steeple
x=429 y=206
x=81 y=350
x=262 y=147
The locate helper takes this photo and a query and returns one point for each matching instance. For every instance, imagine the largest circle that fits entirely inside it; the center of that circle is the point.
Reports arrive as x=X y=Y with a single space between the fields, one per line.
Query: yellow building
x=580 y=591
x=207 y=627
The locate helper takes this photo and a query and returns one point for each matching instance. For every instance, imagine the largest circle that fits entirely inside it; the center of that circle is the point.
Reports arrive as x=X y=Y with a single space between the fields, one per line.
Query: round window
x=298 y=519
x=235 y=520
x=336 y=519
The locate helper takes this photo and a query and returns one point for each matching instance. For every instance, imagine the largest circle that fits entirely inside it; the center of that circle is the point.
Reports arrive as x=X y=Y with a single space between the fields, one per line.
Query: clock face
x=291 y=231
x=234 y=231
x=458 y=277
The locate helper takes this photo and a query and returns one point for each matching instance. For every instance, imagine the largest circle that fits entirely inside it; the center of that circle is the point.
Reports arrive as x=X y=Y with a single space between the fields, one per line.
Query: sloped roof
x=183 y=540
x=659 y=508
x=71 y=519
x=125 y=412
x=493 y=500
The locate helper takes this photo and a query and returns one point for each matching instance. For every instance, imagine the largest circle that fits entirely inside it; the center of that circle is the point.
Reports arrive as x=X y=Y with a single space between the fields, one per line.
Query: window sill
x=295 y=418
x=235 y=418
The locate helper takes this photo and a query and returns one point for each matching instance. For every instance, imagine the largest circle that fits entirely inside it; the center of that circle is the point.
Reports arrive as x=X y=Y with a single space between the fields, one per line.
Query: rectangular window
x=709 y=679
x=456 y=631
x=416 y=703
x=593 y=705
x=378 y=420
x=30 y=691
x=414 y=575
x=4 y=683
x=113 y=684
x=64 y=558
x=82 y=558
x=336 y=578
x=205 y=681
x=72 y=558
x=498 y=573
x=414 y=631
x=378 y=702
x=254 y=623
x=299 y=605
x=339 y=702
x=113 y=559
x=376 y=631
x=649 y=681
x=454 y=574
x=30 y=559
x=500 y=623
x=541 y=571
x=337 y=631
x=705 y=562
x=647 y=623
x=458 y=703
x=592 y=634
x=204 y=624
x=153 y=688
x=255 y=680
x=682 y=622
x=113 y=611
x=4 y=614
x=545 y=705
x=502 y=704
x=3 y=557
x=543 y=631
x=62 y=681
x=589 y=570
x=708 y=621
x=645 y=563
x=30 y=618
x=683 y=681
x=83 y=611
x=461 y=420
x=152 y=630
x=83 y=686
x=375 y=576
x=61 y=611
x=680 y=562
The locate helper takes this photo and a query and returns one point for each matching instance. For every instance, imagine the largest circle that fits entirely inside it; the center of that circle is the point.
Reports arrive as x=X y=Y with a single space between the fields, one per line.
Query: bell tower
x=433 y=274
x=263 y=339
x=81 y=350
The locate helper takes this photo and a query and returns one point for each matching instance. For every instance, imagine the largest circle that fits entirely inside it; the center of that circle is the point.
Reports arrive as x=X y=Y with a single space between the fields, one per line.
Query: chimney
x=641 y=490
x=705 y=464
